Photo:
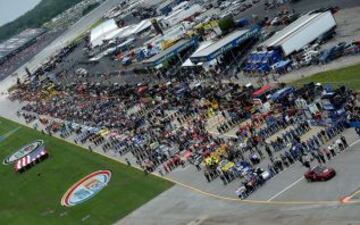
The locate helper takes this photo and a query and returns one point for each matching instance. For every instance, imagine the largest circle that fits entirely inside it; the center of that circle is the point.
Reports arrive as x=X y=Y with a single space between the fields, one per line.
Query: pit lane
x=289 y=186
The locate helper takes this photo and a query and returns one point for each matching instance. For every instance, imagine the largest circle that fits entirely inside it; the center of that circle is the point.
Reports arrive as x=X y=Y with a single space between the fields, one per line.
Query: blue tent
x=282 y=93
x=355 y=124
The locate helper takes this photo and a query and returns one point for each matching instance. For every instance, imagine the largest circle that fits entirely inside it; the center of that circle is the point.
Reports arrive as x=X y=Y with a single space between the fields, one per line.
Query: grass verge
x=33 y=197
x=349 y=76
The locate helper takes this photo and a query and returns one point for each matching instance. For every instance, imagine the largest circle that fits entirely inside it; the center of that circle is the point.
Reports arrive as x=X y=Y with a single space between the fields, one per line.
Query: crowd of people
x=166 y=125
x=10 y=65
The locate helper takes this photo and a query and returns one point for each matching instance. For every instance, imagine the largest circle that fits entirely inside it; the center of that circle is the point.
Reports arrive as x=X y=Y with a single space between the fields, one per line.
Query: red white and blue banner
x=31 y=158
x=27 y=155
x=23 y=151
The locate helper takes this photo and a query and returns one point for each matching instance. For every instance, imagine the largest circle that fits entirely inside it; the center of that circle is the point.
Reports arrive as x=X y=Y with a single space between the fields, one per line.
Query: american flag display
x=34 y=156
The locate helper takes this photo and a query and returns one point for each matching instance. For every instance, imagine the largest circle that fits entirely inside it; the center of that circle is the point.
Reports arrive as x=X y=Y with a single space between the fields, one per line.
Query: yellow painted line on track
x=354 y=194
x=215 y=196
x=219 y=197
x=348 y=199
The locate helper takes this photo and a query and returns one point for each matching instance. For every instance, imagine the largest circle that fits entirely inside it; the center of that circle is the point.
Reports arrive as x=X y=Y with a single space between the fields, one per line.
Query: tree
x=227 y=24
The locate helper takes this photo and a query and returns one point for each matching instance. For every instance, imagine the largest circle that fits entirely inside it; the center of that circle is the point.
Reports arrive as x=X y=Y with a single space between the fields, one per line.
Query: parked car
x=319 y=173
x=265 y=174
x=333 y=53
x=126 y=61
x=225 y=5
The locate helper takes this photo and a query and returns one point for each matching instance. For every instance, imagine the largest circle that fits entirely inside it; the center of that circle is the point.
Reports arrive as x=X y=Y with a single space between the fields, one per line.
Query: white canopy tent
x=181 y=14
x=176 y=32
x=101 y=32
x=109 y=30
x=301 y=32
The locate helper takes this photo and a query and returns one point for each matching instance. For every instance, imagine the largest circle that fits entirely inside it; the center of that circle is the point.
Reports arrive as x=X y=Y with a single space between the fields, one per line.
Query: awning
x=170 y=52
x=202 y=46
x=186 y=155
x=262 y=90
x=225 y=44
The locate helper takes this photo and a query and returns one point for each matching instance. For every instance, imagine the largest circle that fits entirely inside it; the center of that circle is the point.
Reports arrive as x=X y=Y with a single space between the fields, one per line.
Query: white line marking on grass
x=285 y=189
x=8 y=134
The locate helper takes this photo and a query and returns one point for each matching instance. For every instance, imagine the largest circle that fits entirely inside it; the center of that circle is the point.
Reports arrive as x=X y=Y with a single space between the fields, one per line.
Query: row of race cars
x=254 y=177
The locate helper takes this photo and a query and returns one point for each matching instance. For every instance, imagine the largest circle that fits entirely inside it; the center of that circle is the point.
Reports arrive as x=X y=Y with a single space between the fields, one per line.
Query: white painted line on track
x=8 y=134
x=285 y=189
x=301 y=178
x=354 y=143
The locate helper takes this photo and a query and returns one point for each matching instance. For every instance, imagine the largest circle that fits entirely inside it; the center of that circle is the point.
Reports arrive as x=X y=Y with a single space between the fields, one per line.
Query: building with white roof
x=109 y=30
x=18 y=42
x=202 y=46
x=223 y=45
x=301 y=32
x=181 y=14
x=102 y=32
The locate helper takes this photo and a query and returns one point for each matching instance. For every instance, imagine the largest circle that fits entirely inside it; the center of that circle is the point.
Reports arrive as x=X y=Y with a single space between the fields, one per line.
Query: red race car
x=319 y=173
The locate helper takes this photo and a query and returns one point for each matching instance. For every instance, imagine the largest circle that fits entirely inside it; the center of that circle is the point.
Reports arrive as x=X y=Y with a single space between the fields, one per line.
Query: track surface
x=298 y=203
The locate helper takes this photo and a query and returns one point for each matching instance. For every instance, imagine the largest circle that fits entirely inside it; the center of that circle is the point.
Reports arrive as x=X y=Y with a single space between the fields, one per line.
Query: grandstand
x=18 y=42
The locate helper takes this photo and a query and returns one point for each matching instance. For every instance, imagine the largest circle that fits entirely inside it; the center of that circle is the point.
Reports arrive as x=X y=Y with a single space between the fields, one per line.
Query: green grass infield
x=349 y=76
x=33 y=197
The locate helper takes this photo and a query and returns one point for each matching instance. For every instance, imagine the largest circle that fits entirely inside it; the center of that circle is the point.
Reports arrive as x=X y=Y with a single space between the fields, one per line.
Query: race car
x=319 y=173
x=264 y=174
x=243 y=168
x=226 y=165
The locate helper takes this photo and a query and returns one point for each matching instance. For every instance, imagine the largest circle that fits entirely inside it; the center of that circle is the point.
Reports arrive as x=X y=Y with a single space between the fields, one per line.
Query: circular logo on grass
x=24 y=151
x=86 y=188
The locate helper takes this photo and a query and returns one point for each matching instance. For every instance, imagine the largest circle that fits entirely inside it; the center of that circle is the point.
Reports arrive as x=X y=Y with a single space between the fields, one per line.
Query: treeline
x=89 y=8
x=43 y=12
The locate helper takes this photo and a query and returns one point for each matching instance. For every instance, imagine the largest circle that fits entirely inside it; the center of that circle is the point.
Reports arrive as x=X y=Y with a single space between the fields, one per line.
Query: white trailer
x=177 y=16
x=301 y=32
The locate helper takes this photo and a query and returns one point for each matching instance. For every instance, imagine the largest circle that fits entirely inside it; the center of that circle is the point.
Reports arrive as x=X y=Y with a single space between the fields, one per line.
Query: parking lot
x=347 y=30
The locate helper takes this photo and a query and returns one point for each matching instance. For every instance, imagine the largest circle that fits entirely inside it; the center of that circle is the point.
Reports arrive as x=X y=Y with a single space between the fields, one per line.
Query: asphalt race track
x=287 y=199
x=344 y=183
x=178 y=207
